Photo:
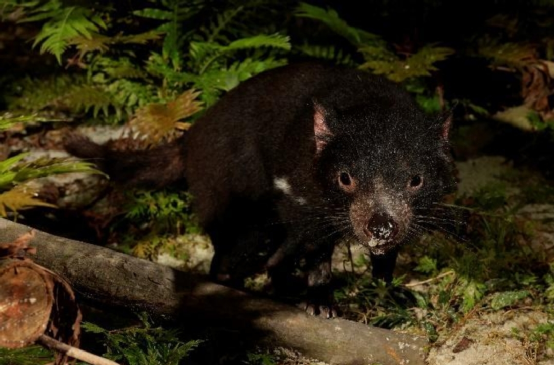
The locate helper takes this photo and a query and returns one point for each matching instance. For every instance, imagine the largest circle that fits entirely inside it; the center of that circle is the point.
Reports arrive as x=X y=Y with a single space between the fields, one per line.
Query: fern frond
x=30 y=355
x=332 y=19
x=205 y=53
x=85 y=97
x=116 y=97
x=507 y=54
x=141 y=38
x=330 y=53
x=7 y=170
x=213 y=31
x=9 y=121
x=43 y=167
x=14 y=171
x=128 y=95
x=101 y=43
x=19 y=198
x=382 y=61
x=200 y=51
x=64 y=93
x=95 y=43
x=427 y=56
x=64 y=25
x=225 y=79
x=159 y=68
x=120 y=68
x=38 y=94
x=175 y=13
x=258 y=41
x=159 y=121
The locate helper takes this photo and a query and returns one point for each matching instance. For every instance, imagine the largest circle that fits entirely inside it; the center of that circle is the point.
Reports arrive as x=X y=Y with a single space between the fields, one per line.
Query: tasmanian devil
x=295 y=160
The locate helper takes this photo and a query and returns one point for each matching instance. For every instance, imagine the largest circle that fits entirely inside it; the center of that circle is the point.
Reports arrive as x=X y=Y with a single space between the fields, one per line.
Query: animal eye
x=345 y=179
x=346 y=182
x=416 y=182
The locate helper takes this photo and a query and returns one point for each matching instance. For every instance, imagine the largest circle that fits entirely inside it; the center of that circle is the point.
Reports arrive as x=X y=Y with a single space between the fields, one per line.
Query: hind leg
x=237 y=253
x=242 y=240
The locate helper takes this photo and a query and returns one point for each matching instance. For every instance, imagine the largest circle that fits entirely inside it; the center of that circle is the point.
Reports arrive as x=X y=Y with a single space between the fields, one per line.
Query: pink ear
x=446 y=126
x=321 y=130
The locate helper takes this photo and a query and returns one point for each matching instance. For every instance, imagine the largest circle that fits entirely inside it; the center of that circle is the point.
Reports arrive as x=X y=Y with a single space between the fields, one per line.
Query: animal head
x=384 y=167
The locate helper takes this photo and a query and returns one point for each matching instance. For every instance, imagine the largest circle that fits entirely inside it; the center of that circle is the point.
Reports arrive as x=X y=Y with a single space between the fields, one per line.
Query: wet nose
x=381 y=227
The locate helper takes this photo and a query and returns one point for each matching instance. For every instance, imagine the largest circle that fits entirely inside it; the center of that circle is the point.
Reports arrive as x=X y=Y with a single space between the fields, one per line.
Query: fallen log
x=110 y=278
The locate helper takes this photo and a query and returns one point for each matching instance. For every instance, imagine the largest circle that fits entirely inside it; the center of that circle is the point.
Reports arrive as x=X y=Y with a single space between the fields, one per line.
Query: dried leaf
x=160 y=121
x=18 y=198
x=19 y=247
x=517 y=116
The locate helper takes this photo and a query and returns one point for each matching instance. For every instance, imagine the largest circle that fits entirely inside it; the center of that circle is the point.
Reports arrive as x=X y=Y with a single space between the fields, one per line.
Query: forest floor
x=517 y=331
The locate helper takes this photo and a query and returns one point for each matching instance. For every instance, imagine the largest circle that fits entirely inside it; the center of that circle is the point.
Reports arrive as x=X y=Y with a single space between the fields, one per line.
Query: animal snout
x=381 y=227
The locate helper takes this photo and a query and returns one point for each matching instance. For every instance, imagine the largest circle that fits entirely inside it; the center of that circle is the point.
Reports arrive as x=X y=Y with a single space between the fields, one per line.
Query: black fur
x=298 y=158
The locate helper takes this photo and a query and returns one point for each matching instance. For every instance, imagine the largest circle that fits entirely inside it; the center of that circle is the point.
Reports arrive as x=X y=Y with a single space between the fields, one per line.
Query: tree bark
x=111 y=278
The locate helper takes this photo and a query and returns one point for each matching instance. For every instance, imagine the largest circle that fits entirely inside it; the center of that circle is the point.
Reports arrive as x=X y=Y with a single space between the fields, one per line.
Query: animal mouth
x=381 y=244
x=374 y=243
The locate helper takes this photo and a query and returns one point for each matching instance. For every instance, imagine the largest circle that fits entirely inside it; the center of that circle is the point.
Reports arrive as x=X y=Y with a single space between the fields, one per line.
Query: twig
x=73 y=351
x=410 y=285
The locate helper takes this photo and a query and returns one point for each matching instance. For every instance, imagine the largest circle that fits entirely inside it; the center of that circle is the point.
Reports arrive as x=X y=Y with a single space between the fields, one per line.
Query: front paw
x=320 y=310
x=320 y=303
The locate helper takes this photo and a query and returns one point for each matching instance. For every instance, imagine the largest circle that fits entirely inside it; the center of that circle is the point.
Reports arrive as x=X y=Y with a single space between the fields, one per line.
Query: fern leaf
x=38 y=94
x=121 y=68
x=262 y=40
x=159 y=121
x=227 y=78
x=214 y=30
x=47 y=10
x=7 y=173
x=86 y=97
x=117 y=97
x=95 y=43
x=141 y=38
x=205 y=53
x=332 y=19
x=382 y=61
x=13 y=171
x=508 y=54
x=152 y=13
x=9 y=121
x=176 y=12
x=200 y=51
x=327 y=53
x=70 y=23
x=18 y=198
x=100 y=43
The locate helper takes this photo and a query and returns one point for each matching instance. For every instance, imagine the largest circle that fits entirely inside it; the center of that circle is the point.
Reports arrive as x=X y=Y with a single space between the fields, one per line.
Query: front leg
x=320 y=299
x=383 y=265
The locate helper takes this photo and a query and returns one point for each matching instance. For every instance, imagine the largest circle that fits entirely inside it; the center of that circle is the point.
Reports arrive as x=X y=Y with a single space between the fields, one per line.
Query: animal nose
x=381 y=227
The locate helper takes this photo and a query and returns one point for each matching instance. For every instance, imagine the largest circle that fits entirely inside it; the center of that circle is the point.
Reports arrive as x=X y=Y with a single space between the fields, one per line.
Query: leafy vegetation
x=144 y=344
x=493 y=268
x=14 y=172
x=156 y=66
x=156 y=218
x=32 y=355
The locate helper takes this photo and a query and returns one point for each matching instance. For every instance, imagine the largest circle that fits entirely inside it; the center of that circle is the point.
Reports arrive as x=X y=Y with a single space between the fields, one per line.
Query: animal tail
x=150 y=168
